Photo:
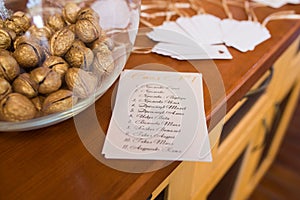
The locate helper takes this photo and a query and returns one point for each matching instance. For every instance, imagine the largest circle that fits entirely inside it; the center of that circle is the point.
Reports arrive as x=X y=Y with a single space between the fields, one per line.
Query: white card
x=158 y=116
x=243 y=35
x=184 y=38
x=181 y=46
x=195 y=52
x=277 y=3
x=170 y=32
x=204 y=28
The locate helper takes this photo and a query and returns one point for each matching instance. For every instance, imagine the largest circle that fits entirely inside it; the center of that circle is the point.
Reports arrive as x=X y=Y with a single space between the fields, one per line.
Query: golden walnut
x=103 y=62
x=42 y=34
x=28 y=52
x=19 y=22
x=48 y=80
x=9 y=68
x=5 y=88
x=1 y=23
x=55 y=22
x=87 y=31
x=23 y=39
x=16 y=107
x=61 y=42
x=23 y=84
x=103 y=39
x=38 y=103
x=59 y=101
x=4 y=52
x=82 y=83
x=70 y=12
x=7 y=37
x=57 y=64
x=79 y=56
x=72 y=28
x=88 y=14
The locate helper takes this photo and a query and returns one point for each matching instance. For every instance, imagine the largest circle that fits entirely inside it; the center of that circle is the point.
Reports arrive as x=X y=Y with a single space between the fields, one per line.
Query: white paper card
x=182 y=47
x=195 y=52
x=204 y=28
x=204 y=31
x=170 y=32
x=277 y=3
x=158 y=116
x=243 y=35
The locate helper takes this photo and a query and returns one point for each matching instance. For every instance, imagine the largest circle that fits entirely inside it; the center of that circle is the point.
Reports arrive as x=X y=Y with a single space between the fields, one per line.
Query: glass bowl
x=118 y=18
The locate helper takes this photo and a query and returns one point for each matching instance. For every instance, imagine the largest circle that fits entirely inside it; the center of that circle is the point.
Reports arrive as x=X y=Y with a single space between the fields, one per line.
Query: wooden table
x=52 y=162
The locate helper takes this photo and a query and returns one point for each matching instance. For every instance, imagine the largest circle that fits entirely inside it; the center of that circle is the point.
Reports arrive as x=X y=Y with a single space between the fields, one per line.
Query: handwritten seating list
x=158 y=116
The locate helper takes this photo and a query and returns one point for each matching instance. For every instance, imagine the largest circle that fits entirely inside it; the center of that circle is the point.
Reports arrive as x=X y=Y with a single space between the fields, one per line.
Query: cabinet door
x=265 y=145
x=273 y=140
x=223 y=189
x=189 y=177
x=256 y=145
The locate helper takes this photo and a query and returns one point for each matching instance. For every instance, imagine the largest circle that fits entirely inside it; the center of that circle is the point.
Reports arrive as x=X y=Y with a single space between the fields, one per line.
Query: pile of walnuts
x=46 y=69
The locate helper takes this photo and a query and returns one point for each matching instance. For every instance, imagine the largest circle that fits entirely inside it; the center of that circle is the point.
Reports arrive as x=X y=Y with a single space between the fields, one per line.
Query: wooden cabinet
x=249 y=141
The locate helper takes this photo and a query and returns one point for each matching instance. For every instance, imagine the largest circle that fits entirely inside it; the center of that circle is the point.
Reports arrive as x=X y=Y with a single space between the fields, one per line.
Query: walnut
x=87 y=30
x=1 y=23
x=7 y=37
x=23 y=84
x=21 y=40
x=38 y=103
x=41 y=34
x=103 y=39
x=57 y=64
x=5 y=88
x=61 y=42
x=82 y=83
x=48 y=80
x=55 y=22
x=88 y=14
x=70 y=12
x=79 y=56
x=103 y=61
x=4 y=52
x=19 y=22
x=28 y=53
x=9 y=68
x=16 y=107
x=72 y=28
x=59 y=101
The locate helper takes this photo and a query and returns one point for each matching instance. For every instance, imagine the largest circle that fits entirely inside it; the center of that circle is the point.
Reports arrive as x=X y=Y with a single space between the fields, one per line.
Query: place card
x=158 y=116
x=181 y=46
x=277 y=3
x=203 y=28
x=203 y=37
x=194 y=52
x=243 y=35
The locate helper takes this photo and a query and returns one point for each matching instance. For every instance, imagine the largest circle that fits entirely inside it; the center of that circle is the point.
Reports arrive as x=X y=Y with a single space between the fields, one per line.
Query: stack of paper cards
x=203 y=37
x=243 y=35
x=158 y=116
x=200 y=33
x=203 y=28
